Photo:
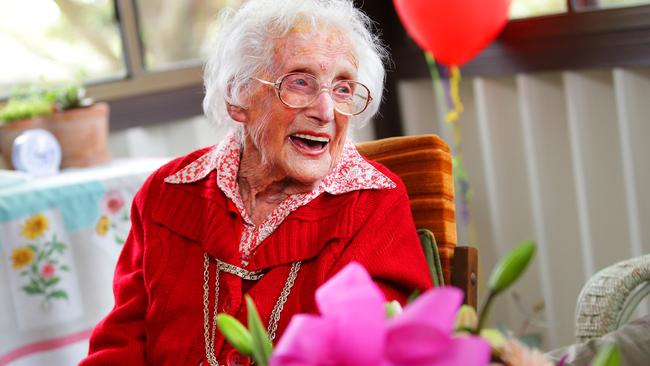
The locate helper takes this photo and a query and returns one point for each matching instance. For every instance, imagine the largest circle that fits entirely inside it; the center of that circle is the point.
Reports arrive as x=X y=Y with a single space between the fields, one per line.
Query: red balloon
x=454 y=31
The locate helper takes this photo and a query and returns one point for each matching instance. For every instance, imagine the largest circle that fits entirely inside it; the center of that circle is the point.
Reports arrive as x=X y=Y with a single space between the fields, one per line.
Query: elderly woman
x=276 y=209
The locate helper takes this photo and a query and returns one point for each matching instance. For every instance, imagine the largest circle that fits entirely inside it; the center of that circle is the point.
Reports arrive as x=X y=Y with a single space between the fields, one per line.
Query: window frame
x=146 y=97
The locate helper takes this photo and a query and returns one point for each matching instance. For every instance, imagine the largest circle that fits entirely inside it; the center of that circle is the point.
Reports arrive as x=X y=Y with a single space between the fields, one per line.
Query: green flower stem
x=507 y=271
x=485 y=310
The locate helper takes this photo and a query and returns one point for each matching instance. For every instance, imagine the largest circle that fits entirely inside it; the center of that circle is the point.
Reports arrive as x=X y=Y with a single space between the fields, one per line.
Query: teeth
x=312 y=138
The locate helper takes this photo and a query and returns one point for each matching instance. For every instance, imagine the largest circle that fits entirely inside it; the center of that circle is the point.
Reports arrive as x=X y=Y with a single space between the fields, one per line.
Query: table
x=60 y=237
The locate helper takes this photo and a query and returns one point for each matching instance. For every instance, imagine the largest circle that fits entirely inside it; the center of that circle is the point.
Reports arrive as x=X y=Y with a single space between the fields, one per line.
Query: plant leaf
x=236 y=334
x=608 y=355
x=32 y=289
x=262 y=347
x=51 y=282
x=511 y=267
x=59 y=247
x=58 y=294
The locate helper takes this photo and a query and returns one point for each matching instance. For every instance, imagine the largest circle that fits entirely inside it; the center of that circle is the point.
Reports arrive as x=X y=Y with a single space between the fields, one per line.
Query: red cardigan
x=158 y=284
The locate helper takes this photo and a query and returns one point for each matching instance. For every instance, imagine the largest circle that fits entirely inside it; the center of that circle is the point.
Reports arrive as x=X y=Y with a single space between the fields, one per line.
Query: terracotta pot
x=10 y=130
x=82 y=134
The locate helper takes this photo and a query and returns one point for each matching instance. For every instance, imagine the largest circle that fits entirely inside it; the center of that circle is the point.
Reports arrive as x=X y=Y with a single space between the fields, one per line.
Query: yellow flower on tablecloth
x=35 y=226
x=103 y=225
x=22 y=257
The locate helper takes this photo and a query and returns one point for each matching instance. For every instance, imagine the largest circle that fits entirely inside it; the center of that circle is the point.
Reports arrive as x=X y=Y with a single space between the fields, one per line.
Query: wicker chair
x=424 y=164
x=609 y=298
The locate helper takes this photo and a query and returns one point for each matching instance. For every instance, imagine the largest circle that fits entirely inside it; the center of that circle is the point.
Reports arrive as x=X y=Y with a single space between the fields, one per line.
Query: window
x=142 y=56
x=44 y=40
x=174 y=32
x=530 y=8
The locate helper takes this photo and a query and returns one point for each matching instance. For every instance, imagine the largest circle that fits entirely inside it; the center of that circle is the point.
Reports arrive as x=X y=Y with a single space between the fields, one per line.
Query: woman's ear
x=237 y=113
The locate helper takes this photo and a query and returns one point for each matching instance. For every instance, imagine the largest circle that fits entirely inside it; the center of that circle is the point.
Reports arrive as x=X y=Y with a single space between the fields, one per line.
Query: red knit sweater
x=158 y=284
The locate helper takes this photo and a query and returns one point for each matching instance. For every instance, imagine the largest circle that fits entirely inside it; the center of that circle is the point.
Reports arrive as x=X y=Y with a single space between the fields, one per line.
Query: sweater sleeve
x=388 y=246
x=120 y=337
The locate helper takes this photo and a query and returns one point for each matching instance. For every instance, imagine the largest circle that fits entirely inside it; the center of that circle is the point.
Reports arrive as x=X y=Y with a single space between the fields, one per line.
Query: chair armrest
x=609 y=297
x=464 y=272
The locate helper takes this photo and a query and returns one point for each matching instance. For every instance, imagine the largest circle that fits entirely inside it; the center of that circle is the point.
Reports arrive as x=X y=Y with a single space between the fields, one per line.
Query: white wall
x=559 y=158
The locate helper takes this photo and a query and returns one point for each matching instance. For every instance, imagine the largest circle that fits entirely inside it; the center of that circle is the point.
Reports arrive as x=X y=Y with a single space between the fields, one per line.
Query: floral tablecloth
x=59 y=239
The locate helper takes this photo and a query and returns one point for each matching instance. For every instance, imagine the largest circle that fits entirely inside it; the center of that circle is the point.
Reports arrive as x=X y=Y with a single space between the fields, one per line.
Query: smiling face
x=302 y=144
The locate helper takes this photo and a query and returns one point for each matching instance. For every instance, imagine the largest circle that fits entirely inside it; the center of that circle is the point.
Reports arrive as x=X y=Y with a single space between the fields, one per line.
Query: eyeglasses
x=299 y=90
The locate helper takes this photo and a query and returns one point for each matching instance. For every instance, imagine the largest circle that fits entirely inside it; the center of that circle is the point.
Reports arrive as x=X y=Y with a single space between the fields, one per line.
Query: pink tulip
x=353 y=330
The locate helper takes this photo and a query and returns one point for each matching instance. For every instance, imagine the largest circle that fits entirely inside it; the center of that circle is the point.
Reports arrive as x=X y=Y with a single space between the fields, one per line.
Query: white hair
x=246 y=39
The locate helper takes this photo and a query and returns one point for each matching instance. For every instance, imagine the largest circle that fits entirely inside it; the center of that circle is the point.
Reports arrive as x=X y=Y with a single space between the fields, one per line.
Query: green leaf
x=33 y=247
x=32 y=289
x=65 y=268
x=59 y=247
x=236 y=334
x=58 y=294
x=262 y=346
x=510 y=268
x=52 y=281
x=608 y=355
x=23 y=273
x=48 y=252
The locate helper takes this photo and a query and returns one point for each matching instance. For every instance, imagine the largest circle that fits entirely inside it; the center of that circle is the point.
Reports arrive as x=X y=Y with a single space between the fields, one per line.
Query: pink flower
x=353 y=330
x=112 y=202
x=48 y=271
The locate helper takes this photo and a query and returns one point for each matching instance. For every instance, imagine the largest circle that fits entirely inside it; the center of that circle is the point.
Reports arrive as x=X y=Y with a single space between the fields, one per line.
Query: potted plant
x=80 y=126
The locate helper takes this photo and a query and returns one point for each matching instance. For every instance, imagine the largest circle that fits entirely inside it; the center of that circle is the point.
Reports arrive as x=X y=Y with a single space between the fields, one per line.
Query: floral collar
x=352 y=173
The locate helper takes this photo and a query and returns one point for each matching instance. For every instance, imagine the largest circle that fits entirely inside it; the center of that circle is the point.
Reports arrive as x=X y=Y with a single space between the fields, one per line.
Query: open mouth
x=309 y=143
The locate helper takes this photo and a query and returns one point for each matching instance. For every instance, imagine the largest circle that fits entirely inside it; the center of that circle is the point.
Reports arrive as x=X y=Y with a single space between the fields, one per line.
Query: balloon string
x=460 y=175
x=454 y=82
x=435 y=78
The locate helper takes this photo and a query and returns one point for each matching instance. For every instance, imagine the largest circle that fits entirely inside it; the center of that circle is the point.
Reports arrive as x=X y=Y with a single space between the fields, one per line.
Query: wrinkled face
x=302 y=143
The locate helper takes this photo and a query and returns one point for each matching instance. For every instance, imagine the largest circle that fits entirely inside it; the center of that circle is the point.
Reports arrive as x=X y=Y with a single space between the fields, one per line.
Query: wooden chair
x=424 y=164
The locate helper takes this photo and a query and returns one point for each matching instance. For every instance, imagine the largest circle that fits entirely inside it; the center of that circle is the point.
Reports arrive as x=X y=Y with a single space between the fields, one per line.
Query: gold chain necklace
x=209 y=334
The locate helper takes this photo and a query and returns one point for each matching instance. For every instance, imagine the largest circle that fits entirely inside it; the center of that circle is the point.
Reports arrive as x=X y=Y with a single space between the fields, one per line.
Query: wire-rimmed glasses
x=299 y=90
